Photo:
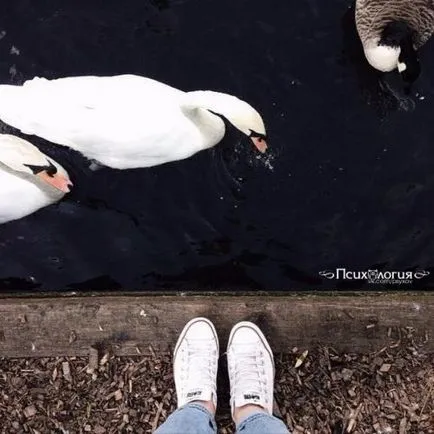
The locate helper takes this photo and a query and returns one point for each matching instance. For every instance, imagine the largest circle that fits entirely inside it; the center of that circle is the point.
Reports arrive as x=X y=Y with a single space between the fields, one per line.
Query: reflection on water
x=348 y=181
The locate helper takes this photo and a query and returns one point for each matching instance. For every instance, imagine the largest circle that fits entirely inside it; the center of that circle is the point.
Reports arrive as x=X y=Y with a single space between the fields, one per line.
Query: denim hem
x=251 y=418
x=203 y=410
x=190 y=418
x=199 y=407
x=262 y=423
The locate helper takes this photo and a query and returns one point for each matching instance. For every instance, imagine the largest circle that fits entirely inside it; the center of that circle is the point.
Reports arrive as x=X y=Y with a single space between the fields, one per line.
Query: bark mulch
x=323 y=391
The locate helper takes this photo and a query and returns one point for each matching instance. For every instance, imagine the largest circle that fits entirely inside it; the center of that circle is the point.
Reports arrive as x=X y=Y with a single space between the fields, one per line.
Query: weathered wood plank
x=128 y=325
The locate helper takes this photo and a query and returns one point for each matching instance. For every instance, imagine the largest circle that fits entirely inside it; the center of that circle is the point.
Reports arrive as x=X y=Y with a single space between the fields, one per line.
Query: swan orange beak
x=260 y=144
x=58 y=181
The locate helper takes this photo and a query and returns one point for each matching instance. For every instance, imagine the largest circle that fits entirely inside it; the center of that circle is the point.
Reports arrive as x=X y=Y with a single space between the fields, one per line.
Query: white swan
x=29 y=180
x=126 y=121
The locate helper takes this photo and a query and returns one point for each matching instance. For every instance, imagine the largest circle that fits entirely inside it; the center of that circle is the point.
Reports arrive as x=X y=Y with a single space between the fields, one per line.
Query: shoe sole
x=187 y=327
x=258 y=331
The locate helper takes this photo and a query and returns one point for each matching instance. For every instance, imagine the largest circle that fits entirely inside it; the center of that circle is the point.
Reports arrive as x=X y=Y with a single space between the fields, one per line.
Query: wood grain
x=130 y=325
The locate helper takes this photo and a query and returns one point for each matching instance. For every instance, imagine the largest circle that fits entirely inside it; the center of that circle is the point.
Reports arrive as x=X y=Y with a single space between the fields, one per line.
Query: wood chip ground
x=389 y=391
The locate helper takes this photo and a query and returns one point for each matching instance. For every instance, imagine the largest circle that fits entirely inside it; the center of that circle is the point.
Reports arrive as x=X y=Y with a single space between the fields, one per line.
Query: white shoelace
x=249 y=372
x=200 y=365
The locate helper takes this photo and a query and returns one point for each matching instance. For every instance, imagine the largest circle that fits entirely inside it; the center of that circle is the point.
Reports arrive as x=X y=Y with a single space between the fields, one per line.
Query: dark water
x=349 y=180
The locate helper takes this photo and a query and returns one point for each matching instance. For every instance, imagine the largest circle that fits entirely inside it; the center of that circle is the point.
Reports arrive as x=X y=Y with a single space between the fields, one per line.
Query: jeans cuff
x=252 y=418
x=204 y=410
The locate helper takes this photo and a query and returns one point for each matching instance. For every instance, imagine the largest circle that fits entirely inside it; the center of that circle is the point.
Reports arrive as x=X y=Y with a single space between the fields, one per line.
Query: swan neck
x=200 y=112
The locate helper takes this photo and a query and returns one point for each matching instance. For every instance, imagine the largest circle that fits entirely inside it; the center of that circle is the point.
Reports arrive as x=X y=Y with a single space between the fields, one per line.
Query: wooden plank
x=129 y=325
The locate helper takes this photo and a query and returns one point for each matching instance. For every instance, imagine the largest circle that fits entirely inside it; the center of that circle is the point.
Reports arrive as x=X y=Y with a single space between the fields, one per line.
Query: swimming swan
x=126 y=121
x=29 y=180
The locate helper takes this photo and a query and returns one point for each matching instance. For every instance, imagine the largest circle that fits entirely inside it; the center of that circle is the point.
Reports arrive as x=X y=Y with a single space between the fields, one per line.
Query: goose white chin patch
x=383 y=58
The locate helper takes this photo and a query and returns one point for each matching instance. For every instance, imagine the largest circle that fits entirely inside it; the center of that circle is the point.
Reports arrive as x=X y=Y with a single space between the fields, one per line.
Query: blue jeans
x=196 y=419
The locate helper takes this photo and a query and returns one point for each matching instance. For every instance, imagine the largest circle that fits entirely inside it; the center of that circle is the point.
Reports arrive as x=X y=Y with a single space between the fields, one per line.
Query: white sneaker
x=251 y=367
x=195 y=362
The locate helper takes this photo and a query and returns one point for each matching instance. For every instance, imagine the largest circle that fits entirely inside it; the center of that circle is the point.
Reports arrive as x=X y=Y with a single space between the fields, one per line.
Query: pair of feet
x=250 y=366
